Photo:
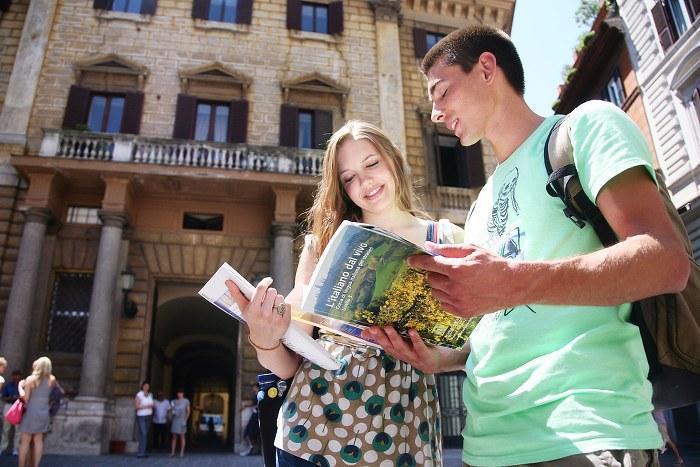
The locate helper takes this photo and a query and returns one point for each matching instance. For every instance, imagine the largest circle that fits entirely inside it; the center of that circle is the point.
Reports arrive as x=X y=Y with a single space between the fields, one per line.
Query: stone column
x=21 y=89
x=387 y=14
x=282 y=262
x=15 y=331
x=100 y=320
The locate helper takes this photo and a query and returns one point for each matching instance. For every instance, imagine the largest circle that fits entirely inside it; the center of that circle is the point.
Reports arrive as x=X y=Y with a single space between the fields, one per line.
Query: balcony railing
x=454 y=198
x=144 y=150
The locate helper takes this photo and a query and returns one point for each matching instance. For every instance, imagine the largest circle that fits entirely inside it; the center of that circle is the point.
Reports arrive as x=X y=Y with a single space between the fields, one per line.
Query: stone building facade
x=144 y=143
x=663 y=37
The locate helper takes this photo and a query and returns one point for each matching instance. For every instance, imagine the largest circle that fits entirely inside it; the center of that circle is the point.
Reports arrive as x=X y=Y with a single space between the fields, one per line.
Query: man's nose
x=436 y=115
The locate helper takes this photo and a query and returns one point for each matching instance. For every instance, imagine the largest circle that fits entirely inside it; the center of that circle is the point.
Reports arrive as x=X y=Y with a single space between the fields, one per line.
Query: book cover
x=363 y=279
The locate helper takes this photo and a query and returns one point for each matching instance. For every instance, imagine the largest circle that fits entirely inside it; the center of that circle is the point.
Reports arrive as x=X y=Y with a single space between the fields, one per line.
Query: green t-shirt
x=546 y=382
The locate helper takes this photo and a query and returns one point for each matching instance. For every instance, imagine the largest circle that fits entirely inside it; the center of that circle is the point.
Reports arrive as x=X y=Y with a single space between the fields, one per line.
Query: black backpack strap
x=563 y=183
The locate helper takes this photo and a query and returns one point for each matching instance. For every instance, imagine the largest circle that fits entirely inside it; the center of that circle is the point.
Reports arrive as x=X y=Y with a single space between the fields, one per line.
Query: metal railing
x=72 y=144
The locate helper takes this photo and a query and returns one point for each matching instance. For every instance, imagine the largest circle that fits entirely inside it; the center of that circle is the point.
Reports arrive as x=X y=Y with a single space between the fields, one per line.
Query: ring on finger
x=281 y=308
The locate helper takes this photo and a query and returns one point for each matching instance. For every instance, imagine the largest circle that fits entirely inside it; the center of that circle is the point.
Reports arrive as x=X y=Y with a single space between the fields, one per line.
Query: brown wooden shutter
x=420 y=44
x=244 y=15
x=5 y=5
x=133 y=109
x=77 y=107
x=148 y=7
x=693 y=8
x=475 y=166
x=289 y=126
x=294 y=14
x=102 y=4
x=238 y=122
x=658 y=12
x=323 y=128
x=335 y=18
x=185 y=116
x=200 y=9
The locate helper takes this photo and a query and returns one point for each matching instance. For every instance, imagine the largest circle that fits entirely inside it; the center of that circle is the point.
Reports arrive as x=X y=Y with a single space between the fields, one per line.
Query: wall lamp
x=129 y=307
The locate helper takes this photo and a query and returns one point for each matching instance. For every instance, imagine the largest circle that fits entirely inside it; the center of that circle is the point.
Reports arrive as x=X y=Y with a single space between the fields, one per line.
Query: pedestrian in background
x=180 y=408
x=144 y=411
x=660 y=418
x=34 y=391
x=161 y=409
x=9 y=394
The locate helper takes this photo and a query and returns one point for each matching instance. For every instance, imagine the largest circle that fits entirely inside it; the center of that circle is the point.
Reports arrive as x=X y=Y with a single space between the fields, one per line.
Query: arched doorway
x=194 y=347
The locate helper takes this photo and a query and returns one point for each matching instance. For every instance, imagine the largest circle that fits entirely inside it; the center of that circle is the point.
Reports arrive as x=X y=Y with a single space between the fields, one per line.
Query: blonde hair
x=332 y=205
x=3 y=361
x=41 y=368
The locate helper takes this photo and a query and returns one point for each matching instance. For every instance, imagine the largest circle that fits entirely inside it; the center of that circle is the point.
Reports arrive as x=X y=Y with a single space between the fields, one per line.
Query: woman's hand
x=265 y=324
x=426 y=358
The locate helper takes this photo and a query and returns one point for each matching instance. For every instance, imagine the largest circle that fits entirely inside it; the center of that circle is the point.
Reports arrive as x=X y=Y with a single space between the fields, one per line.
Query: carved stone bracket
x=387 y=10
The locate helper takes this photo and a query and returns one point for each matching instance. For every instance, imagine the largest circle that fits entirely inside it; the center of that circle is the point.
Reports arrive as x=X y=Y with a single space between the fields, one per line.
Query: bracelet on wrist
x=263 y=348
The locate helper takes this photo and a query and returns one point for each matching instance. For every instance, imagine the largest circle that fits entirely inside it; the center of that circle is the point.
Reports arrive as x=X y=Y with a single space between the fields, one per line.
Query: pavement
x=452 y=459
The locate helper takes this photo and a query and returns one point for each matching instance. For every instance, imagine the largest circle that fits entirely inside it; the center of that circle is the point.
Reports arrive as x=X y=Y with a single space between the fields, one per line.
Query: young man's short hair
x=464 y=46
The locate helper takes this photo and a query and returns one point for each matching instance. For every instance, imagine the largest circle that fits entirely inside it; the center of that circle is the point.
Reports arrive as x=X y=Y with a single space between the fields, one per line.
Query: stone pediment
x=111 y=63
x=214 y=72
x=315 y=82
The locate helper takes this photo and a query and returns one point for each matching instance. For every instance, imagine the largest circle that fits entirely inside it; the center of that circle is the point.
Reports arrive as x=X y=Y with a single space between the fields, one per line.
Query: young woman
x=181 y=413
x=143 y=402
x=35 y=390
x=376 y=411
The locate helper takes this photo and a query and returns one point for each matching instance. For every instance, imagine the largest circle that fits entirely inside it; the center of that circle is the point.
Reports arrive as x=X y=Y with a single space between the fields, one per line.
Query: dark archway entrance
x=194 y=347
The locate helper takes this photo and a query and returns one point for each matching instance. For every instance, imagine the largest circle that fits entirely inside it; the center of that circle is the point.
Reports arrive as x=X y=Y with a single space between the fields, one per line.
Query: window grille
x=451 y=407
x=70 y=305
x=82 y=215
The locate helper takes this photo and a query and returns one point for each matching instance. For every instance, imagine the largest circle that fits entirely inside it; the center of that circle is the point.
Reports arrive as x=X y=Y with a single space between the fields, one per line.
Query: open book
x=216 y=292
x=363 y=279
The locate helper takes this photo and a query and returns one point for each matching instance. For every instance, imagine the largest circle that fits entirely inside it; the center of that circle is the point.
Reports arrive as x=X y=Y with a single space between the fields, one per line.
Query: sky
x=545 y=33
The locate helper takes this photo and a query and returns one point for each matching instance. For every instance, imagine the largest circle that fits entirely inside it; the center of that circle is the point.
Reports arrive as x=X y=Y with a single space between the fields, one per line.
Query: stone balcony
x=83 y=145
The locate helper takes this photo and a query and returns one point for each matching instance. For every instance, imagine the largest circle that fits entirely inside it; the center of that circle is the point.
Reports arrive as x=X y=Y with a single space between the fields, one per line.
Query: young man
x=9 y=394
x=556 y=373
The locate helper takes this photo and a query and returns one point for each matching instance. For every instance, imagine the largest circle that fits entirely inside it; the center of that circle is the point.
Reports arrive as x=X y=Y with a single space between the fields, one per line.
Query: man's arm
x=649 y=260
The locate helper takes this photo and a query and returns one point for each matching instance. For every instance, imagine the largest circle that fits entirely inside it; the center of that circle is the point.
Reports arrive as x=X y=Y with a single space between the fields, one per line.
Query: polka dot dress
x=374 y=411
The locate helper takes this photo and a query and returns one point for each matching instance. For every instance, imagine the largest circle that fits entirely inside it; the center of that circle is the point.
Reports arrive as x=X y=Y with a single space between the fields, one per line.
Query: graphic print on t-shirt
x=506 y=239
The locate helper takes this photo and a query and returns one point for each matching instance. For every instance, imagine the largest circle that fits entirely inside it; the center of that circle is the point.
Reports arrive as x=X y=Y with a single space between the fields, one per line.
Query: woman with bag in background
x=34 y=391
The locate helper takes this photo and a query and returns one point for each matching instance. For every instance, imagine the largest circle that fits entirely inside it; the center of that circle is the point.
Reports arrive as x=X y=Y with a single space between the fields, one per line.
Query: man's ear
x=487 y=66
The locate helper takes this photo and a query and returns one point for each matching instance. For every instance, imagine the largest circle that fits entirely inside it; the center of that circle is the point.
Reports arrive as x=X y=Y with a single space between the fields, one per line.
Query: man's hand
x=426 y=358
x=466 y=279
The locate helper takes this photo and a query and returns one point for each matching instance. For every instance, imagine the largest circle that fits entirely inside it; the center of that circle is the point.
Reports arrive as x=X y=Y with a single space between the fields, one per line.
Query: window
x=323 y=18
x=5 y=5
x=144 y=7
x=106 y=112
x=314 y=18
x=223 y=11
x=212 y=122
x=203 y=221
x=70 y=306
x=103 y=112
x=304 y=128
x=223 y=122
x=424 y=40
x=459 y=166
x=127 y=6
x=614 y=91
x=431 y=39
x=82 y=215
x=672 y=19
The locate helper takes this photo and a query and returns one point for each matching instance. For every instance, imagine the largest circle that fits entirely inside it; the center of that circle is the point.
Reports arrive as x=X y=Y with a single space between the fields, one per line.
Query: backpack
x=669 y=324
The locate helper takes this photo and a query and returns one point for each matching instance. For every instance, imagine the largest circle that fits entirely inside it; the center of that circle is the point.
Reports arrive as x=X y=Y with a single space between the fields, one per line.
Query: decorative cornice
x=283 y=229
x=38 y=215
x=214 y=73
x=113 y=219
x=386 y=10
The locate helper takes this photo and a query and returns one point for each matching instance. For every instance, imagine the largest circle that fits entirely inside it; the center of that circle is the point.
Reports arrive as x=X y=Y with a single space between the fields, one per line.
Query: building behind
x=144 y=143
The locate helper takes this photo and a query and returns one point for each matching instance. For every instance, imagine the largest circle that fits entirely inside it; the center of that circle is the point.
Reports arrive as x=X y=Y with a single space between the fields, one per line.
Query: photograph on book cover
x=363 y=279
